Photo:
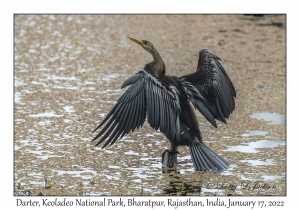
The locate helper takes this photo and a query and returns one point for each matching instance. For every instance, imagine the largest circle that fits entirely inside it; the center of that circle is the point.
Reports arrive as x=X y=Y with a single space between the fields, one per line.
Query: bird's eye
x=145 y=42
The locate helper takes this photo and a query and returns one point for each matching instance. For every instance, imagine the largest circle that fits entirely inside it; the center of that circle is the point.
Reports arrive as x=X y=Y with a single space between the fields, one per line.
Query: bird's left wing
x=146 y=96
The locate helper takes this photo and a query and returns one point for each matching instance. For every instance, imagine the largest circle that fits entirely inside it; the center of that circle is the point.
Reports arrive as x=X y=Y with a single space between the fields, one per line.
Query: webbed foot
x=169 y=158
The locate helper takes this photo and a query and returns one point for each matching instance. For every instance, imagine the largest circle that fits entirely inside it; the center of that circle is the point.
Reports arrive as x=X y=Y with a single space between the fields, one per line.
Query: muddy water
x=68 y=73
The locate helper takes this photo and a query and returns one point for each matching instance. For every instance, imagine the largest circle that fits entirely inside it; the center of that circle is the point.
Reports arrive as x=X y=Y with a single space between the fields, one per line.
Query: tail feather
x=204 y=159
x=197 y=164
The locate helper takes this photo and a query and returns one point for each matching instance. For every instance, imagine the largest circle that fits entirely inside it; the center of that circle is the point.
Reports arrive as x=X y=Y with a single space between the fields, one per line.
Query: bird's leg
x=169 y=157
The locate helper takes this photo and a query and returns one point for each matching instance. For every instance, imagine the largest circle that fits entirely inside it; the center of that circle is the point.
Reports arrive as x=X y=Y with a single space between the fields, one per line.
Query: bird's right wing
x=146 y=96
x=198 y=101
x=213 y=83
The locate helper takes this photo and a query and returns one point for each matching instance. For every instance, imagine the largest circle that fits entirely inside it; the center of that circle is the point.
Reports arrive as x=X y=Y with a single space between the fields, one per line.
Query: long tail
x=204 y=159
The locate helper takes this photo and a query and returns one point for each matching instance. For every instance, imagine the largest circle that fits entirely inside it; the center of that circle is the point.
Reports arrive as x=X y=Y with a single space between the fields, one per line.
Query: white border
x=8 y=201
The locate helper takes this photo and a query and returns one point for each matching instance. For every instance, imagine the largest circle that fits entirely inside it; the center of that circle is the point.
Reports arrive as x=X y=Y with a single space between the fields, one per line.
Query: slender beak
x=137 y=41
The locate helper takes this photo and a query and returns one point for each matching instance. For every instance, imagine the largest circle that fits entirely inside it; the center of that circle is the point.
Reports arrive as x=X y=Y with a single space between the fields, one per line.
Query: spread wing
x=198 y=101
x=214 y=85
x=146 y=96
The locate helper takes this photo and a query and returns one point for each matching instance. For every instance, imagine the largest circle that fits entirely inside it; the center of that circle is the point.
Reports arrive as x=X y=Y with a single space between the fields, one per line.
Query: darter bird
x=169 y=102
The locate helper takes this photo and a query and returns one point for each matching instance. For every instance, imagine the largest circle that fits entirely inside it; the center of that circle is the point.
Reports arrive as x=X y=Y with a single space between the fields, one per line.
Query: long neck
x=157 y=66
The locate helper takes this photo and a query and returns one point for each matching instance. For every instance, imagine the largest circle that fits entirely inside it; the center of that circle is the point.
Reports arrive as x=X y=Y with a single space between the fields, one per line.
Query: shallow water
x=259 y=162
x=273 y=118
x=253 y=146
x=46 y=114
x=255 y=133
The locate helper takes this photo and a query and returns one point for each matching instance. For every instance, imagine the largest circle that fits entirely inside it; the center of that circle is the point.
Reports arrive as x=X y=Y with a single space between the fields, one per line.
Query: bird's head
x=147 y=45
x=157 y=66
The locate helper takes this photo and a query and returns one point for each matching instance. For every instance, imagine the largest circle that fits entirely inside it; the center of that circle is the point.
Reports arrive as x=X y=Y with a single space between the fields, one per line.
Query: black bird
x=169 y=103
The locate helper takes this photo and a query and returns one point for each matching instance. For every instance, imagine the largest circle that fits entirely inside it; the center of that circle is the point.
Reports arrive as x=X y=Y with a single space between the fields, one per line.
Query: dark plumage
x=168 y=103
